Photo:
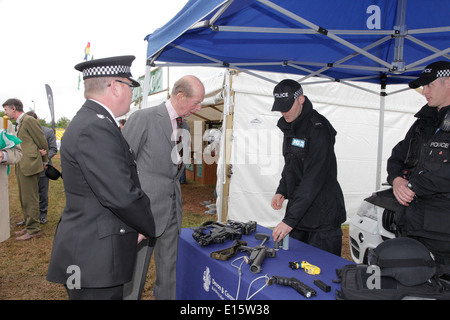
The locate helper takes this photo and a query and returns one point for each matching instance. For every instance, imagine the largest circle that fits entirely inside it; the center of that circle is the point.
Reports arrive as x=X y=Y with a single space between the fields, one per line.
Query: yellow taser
x=309 y=268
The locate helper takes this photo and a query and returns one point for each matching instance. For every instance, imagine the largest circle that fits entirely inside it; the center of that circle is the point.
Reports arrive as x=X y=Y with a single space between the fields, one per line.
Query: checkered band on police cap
x=106 y=71
x=298 y=93
x=443 y=73
x=108 y=67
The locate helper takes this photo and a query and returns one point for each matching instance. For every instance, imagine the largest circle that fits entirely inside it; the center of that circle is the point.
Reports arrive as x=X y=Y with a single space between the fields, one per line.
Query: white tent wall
x=256 y=145
x=256 y=159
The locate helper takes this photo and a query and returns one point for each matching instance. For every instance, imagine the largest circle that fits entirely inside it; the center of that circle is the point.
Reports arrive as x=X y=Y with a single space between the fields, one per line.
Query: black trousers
x=111 y=293
x=329 y=240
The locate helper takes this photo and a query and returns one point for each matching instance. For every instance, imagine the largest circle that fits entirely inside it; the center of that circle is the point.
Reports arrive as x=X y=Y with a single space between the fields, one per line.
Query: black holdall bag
x=399 y=268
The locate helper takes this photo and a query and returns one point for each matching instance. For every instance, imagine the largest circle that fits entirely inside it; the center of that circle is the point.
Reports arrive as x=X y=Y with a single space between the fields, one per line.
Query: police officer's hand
x=277 y=201
x=280 y=231
x=141 y=237
x=402 y=192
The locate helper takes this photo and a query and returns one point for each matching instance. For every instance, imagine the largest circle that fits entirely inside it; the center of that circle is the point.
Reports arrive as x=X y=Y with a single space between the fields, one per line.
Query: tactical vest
x=428 y=154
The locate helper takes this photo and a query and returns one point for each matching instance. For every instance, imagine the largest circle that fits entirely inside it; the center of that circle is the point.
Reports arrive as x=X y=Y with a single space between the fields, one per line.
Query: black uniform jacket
x=423 y=158
x=309 y=177
x=105 y=206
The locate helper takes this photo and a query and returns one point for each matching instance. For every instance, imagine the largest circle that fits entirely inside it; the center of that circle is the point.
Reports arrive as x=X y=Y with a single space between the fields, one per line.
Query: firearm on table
x=218 y=232
x=292 y=282
x=259 y=253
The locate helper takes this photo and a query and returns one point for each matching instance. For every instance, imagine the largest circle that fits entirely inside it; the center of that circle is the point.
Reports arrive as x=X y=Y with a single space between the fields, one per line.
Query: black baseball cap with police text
x=285 y=93
x=108 y=67
x=432 y=72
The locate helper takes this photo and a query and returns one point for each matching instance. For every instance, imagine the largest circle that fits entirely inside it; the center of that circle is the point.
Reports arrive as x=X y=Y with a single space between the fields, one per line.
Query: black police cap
x=108 y=67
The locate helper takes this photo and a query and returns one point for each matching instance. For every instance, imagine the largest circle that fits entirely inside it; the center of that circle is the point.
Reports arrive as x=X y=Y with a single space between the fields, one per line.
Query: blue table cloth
x=200 y=277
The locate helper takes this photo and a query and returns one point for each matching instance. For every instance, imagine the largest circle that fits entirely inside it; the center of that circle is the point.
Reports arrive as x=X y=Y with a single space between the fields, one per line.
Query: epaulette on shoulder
x=100 y=116
x=316 y=121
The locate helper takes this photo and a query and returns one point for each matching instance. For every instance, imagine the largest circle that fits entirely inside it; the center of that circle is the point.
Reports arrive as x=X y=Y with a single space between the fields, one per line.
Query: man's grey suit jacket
x=150 y=135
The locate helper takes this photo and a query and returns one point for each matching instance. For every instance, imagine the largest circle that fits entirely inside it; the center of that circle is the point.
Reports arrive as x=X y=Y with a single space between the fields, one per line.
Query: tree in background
x=62 y=122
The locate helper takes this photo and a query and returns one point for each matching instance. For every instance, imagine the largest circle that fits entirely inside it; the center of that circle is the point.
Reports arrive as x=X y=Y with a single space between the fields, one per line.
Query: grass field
x=23 y=265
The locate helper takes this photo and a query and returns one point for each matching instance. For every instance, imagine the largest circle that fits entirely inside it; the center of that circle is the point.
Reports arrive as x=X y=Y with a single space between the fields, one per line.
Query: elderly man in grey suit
x=153 y=134
x=43 y=179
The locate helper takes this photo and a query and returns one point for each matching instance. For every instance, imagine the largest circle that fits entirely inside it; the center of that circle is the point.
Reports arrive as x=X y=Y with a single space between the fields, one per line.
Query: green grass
x=192 y=219
x=23 y=265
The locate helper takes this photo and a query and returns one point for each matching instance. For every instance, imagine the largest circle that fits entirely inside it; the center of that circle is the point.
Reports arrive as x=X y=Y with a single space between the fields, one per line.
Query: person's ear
x=301 y=99
x=115 y=90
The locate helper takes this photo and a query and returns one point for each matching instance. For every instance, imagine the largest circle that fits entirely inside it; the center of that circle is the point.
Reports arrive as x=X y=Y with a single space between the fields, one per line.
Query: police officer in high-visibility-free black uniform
x=315 y=209
x=419 y=167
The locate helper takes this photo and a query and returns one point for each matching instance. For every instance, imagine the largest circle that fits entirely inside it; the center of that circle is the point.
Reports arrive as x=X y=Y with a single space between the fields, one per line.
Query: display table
x=200 y=277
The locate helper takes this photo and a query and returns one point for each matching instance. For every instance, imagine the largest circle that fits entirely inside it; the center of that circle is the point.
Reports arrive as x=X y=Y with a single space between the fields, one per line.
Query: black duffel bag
x=399 y=268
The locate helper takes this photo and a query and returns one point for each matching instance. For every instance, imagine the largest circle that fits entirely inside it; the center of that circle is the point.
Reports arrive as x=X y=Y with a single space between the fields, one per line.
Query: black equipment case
x=399 y=268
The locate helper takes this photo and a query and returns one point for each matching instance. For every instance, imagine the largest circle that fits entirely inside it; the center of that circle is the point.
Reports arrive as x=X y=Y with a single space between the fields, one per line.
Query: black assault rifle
x=259 y=253
x=218 y=232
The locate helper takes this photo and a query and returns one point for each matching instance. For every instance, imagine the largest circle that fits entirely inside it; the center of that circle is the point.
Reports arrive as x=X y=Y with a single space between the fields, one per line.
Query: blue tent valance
x=368 y=40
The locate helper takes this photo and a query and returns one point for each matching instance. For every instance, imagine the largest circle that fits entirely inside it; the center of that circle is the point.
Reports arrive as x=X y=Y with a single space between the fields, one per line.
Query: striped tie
x=179 y=143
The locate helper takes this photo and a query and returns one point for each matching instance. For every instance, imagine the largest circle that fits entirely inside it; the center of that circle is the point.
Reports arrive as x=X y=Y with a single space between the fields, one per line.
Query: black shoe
x=43 y=221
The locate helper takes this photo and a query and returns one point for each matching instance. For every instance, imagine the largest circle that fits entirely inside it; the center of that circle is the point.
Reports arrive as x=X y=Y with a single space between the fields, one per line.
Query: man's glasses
x=124 y=82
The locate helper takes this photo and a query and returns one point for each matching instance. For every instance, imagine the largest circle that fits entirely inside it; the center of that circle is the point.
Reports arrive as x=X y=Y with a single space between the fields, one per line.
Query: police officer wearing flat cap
x=315 y=209
x=419 y=166
x=106 y=211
